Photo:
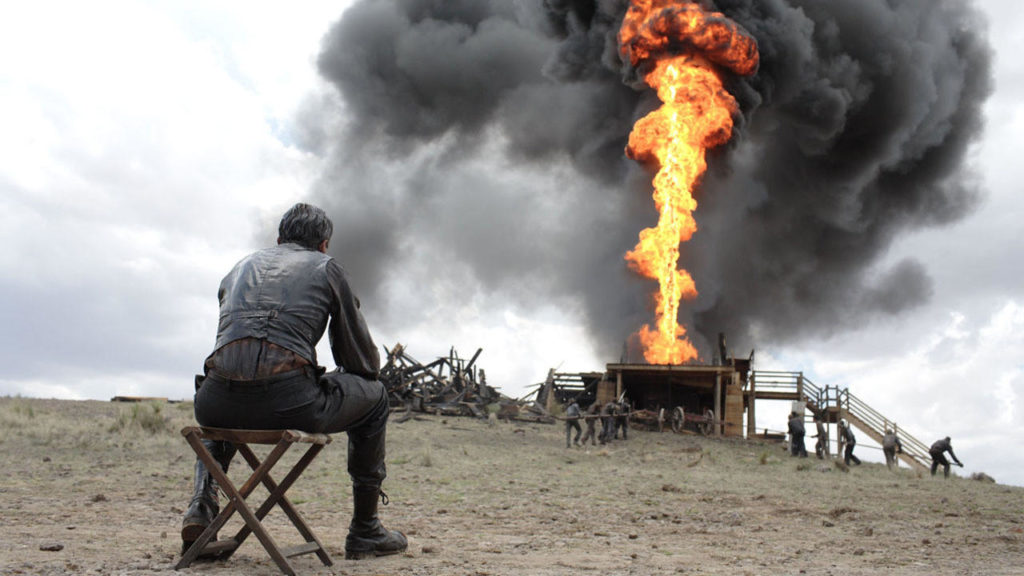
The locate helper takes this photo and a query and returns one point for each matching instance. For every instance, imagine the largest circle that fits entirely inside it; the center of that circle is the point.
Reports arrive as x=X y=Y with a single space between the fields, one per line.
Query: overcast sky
x=147 y=146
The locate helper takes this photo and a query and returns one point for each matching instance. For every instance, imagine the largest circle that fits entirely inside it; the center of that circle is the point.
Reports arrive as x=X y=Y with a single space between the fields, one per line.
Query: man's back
x=940 y=446
x=890 y=440
x=280 y=294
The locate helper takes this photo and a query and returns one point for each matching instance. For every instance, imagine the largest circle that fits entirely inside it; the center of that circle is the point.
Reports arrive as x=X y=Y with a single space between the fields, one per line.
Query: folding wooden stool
x=223 y=549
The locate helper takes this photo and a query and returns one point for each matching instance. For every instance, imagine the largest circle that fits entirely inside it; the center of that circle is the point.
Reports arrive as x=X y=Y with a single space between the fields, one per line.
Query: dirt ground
x=99 y=488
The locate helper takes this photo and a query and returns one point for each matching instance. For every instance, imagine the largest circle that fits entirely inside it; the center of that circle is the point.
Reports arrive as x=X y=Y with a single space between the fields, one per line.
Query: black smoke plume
x=481 y=152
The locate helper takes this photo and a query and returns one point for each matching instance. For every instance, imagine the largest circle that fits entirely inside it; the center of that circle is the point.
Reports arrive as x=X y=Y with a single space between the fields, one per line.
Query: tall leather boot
x=205 y=505
x=367 y=537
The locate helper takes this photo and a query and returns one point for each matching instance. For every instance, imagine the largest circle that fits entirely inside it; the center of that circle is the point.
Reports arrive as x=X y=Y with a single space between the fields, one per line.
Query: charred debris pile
x=450 y=386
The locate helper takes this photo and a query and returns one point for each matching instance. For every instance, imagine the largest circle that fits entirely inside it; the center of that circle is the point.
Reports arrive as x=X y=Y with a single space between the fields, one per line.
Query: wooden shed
x=695 y=388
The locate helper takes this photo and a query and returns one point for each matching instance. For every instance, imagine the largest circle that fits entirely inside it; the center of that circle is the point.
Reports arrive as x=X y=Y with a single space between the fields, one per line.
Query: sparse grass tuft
x=18 y=414
x=148 y=417
x=23 y=408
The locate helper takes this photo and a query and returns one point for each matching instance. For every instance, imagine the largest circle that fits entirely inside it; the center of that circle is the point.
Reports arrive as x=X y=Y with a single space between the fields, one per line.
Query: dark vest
x=280 y=294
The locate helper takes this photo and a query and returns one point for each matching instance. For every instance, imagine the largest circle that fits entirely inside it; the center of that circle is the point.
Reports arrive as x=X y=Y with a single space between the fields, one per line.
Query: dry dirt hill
x=99 y=488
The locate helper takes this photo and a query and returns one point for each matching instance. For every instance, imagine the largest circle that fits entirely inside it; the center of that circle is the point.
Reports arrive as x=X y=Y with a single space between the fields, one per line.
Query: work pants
x=607 y=428
x=849 y=455
x=890 y=457
x=591 y=433
x=569 y=425
x=621 y=423
x=797 y=446
x=939 y=458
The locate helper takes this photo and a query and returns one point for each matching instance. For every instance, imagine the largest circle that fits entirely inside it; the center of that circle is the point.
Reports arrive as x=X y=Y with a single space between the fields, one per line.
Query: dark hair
x=305 y=225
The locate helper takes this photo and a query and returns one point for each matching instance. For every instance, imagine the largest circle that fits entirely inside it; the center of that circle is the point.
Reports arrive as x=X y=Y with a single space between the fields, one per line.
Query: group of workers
x=891 y=445
x=614 y=417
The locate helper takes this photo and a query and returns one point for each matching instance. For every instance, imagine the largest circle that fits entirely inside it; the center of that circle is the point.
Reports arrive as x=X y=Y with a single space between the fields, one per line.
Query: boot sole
x=362 y=555
x=191 y=532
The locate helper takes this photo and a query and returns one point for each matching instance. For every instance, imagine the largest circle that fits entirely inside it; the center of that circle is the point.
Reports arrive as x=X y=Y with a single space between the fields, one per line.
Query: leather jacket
x=285 y=295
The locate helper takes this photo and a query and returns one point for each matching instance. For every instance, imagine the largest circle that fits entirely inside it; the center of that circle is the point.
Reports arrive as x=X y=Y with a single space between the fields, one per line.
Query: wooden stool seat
x=283 y=440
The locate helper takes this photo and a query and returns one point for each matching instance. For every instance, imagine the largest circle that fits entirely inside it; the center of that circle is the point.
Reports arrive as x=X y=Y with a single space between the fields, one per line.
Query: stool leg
x=277 y=496
x=236 y=498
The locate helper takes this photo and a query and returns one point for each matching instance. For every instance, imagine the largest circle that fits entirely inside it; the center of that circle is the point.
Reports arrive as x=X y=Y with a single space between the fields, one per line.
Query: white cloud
x=136 y=165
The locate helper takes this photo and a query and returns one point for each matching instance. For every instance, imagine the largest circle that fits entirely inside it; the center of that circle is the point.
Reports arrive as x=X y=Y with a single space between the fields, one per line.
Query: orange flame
x=682 y=47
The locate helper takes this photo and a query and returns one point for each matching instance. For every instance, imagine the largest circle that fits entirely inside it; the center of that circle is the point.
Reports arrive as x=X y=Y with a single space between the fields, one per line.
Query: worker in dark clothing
x=591 y=418
x=821 y=449
x=607 y=422
x=796 y=435
x=622 y=419
x=851 y=441
x=891 y=446
x=572 y=420
x=275 y=305
x=937 y=452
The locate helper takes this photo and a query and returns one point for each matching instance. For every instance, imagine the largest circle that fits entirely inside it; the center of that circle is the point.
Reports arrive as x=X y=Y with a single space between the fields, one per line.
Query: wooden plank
x=219 y=546
x=139 y=399
x=300 y=549
x=670 y=368
x=767 y=395
x=257 y=436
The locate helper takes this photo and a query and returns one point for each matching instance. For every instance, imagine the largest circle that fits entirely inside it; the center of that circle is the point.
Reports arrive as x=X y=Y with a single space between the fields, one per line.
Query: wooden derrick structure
x=451 y=386
x=708 y=399
x=701 y=398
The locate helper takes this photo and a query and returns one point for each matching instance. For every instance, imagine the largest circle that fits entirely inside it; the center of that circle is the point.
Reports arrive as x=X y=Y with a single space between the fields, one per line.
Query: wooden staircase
x=835 y=404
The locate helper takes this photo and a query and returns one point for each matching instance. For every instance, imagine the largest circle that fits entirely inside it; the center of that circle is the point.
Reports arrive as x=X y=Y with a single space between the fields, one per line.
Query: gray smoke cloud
x=482 y=150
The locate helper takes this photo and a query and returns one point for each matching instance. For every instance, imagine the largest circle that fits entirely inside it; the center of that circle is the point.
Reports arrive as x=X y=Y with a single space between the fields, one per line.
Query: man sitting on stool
x=263 y=373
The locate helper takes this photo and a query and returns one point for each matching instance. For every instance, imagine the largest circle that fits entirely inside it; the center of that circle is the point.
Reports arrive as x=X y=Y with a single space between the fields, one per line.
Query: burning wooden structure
x=704 y=398
x=450 y=385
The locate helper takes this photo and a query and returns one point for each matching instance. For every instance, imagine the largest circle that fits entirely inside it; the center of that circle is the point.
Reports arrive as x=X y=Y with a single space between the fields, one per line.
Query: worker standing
x=851 y=441
x=796 y=435
x=572 y=420
x=591 y=418
x=622 y=419
x=608 y=422
x=821 y=449
x=891 y=445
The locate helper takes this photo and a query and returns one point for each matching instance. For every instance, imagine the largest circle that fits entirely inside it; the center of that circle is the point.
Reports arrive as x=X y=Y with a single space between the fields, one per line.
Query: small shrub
x=425 y=459
x=24 y=408
x=982 y=477
x=147 y=417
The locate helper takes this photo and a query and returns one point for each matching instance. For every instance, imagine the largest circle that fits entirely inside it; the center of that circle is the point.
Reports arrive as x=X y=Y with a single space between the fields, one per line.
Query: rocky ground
x=99 y=488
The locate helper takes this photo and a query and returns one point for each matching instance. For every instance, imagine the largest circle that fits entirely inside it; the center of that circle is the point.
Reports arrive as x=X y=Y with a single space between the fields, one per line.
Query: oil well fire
x=687 y=54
